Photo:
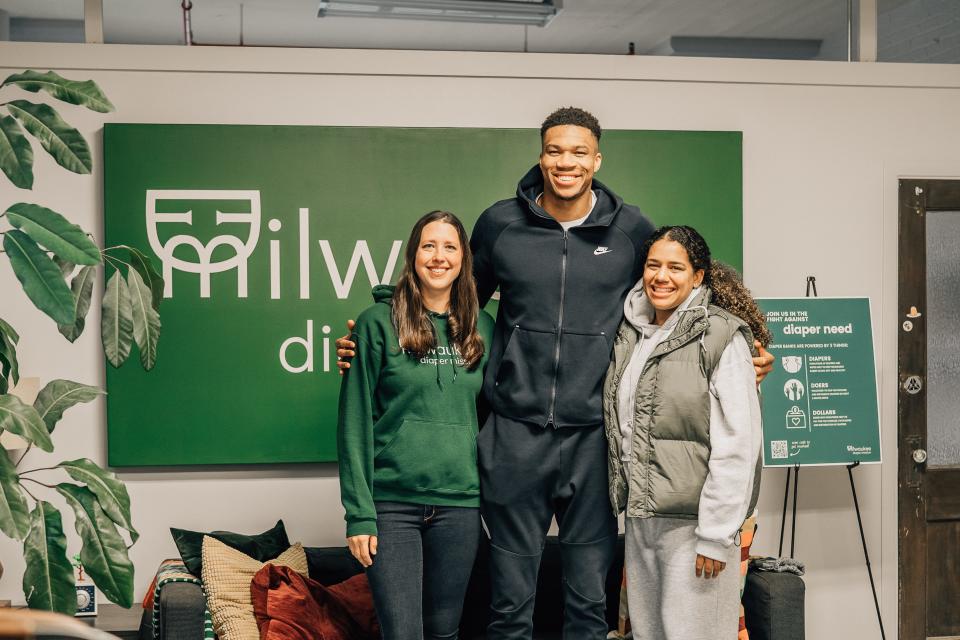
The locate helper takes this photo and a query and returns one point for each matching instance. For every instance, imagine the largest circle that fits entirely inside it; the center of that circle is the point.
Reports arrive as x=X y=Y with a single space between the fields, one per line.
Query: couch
x=182 y=604
x=774 y=602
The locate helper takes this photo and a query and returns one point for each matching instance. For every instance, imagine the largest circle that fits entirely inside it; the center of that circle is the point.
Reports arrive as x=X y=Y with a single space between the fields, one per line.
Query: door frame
x=914 y=507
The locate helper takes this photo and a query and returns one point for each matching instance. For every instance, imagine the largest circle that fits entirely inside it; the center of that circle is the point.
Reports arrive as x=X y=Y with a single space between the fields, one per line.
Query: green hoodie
x=407 y=427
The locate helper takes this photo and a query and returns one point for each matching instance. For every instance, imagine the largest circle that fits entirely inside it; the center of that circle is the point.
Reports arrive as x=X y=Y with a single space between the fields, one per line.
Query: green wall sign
x=820 y=401
x=270 y=237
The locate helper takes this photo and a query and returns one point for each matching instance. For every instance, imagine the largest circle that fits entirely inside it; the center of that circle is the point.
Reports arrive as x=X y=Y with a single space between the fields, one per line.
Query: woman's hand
x=762 y=364
x=709 y=567
x=345 y=347
x=364 y=548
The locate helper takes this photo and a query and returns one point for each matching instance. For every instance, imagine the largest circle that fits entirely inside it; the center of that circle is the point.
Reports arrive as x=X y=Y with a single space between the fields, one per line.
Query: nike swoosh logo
x=599 y=251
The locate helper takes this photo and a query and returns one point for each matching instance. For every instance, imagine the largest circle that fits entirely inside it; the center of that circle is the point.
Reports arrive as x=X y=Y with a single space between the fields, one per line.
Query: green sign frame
x=319 y=214
x=820 y=402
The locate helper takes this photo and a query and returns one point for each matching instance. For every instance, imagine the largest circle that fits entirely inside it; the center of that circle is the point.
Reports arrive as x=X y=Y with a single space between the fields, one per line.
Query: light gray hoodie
x=735 y=424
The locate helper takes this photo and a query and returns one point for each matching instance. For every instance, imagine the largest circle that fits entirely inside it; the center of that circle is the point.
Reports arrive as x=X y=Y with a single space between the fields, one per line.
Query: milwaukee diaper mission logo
x=186 y=253
x=271 y=237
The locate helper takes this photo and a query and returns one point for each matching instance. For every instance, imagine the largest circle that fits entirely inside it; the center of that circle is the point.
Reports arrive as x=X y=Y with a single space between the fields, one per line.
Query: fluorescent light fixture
x=525 y=12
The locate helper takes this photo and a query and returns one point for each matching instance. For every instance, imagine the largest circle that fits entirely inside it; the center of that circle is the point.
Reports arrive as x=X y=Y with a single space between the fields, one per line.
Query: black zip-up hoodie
x=561 y=300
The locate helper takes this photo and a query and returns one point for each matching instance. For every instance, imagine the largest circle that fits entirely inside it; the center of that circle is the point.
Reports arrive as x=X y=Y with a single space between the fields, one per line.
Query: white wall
x=823 y=142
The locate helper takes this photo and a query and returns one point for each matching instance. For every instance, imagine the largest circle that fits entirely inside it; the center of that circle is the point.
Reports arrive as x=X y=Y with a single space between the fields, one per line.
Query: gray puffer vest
x=671 y=434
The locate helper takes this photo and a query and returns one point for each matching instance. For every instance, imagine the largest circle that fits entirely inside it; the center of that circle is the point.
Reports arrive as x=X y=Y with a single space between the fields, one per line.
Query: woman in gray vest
x=683 y=423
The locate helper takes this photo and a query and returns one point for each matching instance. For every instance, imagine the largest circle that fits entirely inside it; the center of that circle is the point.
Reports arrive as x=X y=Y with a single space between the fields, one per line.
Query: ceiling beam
x=867 y=36
x=93 y=21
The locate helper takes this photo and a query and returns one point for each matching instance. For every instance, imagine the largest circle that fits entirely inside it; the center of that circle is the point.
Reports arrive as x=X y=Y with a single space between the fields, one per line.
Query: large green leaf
x=116 y=321
x=41 y=278
x=23 y=420
x=82 y=288
x=61 y=141
x=9 y=367
x=146 y=320
x=110 y=492
x=51 y=230
x=16 y=154
x=58 y=396
x=48 y=580
x=150 y=275
x=10 y=331
x=104 y=553
x=66 y=268
x=85 y=93
x=14 y=512
x=4 y=372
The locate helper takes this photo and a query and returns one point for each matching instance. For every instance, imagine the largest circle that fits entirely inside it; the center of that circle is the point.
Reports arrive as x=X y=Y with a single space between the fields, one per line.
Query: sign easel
x=826 y=412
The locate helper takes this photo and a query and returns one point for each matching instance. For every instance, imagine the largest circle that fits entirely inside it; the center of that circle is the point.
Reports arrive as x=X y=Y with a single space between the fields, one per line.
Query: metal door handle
x=919 y=456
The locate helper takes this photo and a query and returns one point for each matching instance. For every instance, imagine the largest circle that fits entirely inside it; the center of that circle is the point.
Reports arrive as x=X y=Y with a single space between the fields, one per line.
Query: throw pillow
x=226 y=578
x=289 y=606
x=265 y=546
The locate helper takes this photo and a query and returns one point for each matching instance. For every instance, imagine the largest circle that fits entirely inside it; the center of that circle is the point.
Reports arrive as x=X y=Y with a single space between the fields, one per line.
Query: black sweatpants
x=528 y=474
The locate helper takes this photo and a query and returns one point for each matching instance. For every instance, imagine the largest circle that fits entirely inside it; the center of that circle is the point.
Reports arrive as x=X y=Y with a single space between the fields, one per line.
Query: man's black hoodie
x=561 y=299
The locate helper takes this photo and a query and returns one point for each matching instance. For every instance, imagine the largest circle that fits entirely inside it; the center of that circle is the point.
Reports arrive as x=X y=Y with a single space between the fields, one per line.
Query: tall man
x=563 y=252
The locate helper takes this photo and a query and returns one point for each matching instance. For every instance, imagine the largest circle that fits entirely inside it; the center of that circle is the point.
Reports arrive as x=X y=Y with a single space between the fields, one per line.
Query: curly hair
x=725 y=283
x=572 y=116
x=409 y=315
x=730 y=293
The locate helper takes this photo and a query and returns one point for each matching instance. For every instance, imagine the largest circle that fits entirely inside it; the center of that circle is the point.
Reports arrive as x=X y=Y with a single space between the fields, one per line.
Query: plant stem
x=28 y=492
x=24 y=454
x=38 y=469
x=42 y=484
x=112 y=260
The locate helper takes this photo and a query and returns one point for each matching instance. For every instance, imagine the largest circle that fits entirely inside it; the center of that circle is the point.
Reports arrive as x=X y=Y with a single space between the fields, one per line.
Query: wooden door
x=929 y=409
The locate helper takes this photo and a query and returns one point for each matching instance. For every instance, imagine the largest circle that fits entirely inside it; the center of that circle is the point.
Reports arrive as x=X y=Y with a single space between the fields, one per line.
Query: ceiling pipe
x=187 y=5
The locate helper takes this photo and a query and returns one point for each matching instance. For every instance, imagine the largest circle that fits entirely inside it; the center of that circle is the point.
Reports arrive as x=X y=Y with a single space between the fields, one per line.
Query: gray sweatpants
x=665 y=598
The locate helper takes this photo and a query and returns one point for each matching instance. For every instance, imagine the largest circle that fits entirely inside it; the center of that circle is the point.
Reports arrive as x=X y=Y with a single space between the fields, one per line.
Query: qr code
x=778 y=449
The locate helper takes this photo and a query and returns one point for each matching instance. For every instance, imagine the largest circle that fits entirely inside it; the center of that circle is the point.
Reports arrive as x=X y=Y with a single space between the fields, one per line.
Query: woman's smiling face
x=669 y=277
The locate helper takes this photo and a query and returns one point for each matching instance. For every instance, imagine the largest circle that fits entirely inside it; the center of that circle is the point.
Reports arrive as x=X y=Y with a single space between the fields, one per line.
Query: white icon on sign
x=243 y=248
x=792 y=364
x=796 y=418
x=793 y=389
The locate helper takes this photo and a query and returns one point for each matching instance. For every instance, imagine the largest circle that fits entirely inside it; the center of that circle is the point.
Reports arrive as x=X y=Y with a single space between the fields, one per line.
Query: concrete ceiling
x=584 y=26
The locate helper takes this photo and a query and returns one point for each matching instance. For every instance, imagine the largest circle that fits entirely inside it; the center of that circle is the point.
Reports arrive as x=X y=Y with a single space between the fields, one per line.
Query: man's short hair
x=572 y=116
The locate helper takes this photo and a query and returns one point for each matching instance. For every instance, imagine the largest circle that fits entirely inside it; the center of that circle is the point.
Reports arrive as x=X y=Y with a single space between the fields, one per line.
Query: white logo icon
x=599 y=251
x=793 y=389
x=204 y=267
x=792 y=364
x=796 y=418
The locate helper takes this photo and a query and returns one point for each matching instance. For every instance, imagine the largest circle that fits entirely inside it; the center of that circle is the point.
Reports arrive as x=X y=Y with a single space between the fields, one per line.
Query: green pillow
x=265 y=546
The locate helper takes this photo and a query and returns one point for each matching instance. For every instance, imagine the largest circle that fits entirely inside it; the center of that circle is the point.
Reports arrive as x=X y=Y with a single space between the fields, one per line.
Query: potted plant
x=57 y=264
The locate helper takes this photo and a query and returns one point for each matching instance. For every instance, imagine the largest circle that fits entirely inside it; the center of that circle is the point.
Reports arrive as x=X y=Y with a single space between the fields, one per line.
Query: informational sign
x=820 y=401
x=270 y=237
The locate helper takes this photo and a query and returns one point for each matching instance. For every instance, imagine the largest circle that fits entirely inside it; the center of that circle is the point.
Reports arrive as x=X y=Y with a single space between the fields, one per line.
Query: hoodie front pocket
x=430 y=456
x=525 y=374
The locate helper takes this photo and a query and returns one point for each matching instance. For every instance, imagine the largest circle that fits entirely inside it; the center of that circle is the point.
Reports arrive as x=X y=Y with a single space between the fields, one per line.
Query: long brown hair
x=725 y=283
x=410 y=318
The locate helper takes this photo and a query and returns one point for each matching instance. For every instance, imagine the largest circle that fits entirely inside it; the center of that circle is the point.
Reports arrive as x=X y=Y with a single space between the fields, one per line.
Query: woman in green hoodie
x=406 y=435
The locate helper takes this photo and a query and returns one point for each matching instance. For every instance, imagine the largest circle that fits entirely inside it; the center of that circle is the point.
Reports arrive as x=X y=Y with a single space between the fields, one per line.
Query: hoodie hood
x=640 y=313
x=383 y=293
x=603 y=214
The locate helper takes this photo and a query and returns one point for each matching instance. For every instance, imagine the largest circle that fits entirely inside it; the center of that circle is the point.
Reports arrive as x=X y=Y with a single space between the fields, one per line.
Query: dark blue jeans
x=419 y=576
